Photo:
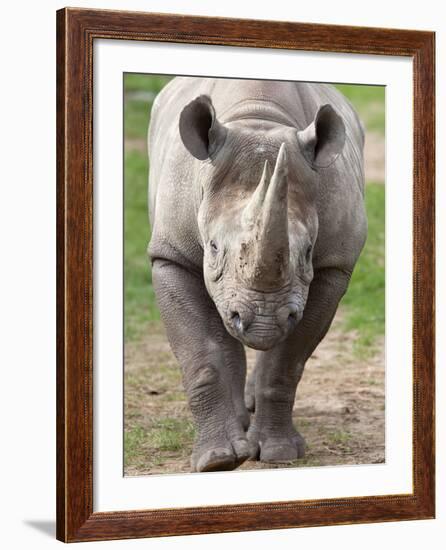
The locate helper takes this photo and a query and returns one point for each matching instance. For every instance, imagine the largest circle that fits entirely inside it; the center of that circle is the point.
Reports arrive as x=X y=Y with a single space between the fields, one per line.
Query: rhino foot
x=221 y=457
x=276 y=449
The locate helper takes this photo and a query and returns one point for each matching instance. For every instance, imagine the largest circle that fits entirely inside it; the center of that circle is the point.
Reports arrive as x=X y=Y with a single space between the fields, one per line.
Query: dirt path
x=339 y=406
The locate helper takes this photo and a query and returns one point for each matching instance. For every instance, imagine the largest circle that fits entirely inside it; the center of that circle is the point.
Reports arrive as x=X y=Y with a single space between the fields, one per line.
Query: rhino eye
x=213 y=246
x=308 y=253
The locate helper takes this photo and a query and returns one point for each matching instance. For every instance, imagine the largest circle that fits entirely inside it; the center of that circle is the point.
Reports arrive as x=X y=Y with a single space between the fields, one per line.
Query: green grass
x=171 y=434
x=140 y=91
x=151 y=447
x=136 y=118
x=369 y=102
x=133 y=441
x=365 y=299
x=135 y=82
x=139 y=303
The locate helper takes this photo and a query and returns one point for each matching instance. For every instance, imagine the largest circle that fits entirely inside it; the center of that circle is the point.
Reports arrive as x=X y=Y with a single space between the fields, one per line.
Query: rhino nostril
x=293 y=317
x=235 y=319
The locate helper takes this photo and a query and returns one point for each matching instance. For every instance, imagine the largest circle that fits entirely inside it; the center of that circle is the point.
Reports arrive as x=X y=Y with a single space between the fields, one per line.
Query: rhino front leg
x=212 y=364
x=272 y=435
x=250 y=390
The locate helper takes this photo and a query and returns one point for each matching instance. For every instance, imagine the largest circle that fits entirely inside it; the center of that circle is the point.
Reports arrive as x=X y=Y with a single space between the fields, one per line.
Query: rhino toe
x=221 y=457
x=217 y=459
x=282 y=449
x=274 y=448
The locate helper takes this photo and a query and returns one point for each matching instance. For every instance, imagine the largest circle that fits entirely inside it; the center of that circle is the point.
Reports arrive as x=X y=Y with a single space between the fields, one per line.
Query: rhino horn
x=254 y=207
x=271 y=246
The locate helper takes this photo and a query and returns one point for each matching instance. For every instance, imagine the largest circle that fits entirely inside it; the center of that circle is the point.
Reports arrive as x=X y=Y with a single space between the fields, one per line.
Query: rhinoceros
x=256 y=203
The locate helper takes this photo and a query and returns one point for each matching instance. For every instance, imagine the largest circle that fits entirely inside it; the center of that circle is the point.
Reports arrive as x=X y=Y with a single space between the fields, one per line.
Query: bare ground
x=339 y=406
x=374 y=157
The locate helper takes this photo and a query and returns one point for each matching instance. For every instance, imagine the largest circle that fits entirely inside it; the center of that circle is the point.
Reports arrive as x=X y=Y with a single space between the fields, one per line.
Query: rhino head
x=257 y=215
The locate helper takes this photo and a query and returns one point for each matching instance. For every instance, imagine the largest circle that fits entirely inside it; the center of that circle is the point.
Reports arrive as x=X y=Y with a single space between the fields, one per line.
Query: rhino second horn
x=254 y=207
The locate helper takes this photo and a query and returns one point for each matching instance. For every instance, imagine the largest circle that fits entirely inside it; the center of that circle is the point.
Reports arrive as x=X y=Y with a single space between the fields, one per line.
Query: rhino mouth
x=260 y=341
x=262 y=332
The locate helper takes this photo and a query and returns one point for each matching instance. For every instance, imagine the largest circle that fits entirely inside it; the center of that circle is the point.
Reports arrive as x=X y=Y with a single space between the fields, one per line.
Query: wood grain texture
x=76 y=31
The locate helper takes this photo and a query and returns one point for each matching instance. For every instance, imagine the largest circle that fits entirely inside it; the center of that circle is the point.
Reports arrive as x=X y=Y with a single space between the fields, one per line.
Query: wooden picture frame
x=76 y=31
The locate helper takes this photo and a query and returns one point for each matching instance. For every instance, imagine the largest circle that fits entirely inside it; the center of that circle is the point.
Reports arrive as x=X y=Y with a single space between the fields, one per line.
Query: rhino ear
x=323 y=140
x=200 y=130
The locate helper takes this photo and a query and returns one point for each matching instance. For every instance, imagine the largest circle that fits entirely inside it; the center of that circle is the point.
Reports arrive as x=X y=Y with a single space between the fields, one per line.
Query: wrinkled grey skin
x=257 y=214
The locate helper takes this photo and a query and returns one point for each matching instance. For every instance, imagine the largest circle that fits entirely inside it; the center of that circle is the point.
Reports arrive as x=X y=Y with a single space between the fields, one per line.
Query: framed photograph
x=245 y=246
